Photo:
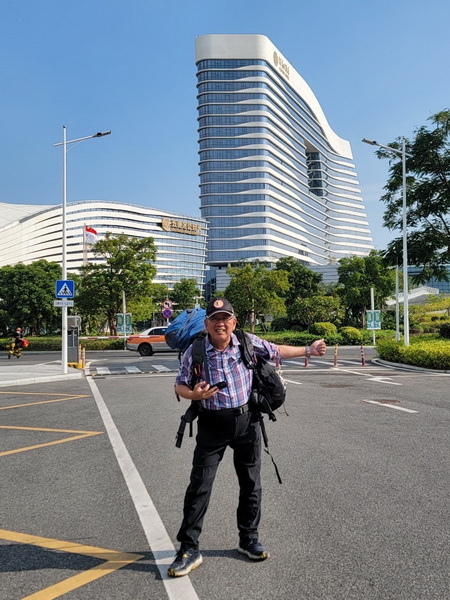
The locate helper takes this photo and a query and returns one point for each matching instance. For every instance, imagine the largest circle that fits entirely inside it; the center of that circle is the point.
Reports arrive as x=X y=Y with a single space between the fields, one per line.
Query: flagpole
x=84 y=246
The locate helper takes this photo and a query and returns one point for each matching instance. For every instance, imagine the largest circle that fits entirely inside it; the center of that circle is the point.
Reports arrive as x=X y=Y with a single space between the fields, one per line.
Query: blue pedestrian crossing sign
x=65 y=288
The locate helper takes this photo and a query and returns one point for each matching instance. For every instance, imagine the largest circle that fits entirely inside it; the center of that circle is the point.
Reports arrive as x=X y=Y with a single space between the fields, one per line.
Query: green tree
x=27 y=295
x=254 y=291
x=315 y=309
x=303 y=281
x=145 y=308
x=357 y=274
x=427 y=197
x=126 y=266
x=185 y=294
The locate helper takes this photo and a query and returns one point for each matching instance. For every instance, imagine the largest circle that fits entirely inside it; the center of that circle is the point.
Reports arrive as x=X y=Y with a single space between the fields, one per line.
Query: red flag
x=90 y=235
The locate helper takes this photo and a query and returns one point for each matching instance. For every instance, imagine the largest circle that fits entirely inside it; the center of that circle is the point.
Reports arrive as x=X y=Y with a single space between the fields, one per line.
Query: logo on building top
x=181 y=226
x=281 y=64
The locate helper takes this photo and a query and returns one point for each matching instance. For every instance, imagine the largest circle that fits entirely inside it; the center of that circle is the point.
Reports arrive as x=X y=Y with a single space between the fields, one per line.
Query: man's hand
x=318 y=348
x=203 y=391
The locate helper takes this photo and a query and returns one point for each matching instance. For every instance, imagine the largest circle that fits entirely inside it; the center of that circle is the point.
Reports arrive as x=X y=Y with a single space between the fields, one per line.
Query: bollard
x=83 y=357
x=335 y=355
x=363 y=359
x=306 y=361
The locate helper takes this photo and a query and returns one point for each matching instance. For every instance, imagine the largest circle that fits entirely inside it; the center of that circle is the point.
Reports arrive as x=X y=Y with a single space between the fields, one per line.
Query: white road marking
x=294 y=362
x=103 y=370
x=408 y=410
x=179 y=588
x=290 y=381
x=382 y=379
x=351 y=362
x=133 y=369
x=161 y=368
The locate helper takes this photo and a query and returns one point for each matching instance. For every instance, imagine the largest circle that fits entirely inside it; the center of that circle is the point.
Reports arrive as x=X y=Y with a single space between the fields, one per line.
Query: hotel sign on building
x=281 y=64
x=181 y=226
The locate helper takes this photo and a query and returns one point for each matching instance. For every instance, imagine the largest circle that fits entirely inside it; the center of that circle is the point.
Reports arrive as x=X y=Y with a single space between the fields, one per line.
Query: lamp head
x=101 y=133
x=371 y=142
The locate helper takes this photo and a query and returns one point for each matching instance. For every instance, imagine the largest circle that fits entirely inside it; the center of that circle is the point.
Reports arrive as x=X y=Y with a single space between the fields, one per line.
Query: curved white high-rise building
x=275 y=179
x=33 y=232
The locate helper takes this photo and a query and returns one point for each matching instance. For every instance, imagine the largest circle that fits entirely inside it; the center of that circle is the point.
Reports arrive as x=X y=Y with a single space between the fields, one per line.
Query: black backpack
x=268 y=389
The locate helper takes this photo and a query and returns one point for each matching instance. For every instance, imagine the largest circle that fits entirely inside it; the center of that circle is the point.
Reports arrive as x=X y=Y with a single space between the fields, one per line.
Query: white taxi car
x=149 y=341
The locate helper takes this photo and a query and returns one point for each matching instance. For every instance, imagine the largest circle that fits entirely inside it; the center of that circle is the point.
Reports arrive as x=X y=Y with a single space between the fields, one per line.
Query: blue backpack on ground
x=185 y=328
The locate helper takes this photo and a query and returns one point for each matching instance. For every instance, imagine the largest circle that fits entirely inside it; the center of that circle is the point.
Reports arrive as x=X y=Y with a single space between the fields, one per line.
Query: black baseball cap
x=219 y=305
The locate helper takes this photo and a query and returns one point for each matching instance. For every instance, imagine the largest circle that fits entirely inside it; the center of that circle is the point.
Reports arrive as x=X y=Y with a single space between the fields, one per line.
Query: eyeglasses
x=216 y=319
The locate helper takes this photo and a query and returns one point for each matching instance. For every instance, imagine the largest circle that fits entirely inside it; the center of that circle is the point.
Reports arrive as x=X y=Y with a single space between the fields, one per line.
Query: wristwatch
x=308 y=351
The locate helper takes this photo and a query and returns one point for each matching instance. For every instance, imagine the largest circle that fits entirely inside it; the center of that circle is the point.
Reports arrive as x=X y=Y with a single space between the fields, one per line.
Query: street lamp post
x=403 y=155
x=64 y=144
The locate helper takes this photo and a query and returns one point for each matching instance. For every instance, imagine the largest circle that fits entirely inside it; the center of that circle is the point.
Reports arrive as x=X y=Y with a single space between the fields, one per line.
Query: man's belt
x=239 y=410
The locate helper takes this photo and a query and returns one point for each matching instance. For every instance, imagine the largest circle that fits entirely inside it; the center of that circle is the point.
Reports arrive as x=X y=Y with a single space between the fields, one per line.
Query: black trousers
x=216 y=431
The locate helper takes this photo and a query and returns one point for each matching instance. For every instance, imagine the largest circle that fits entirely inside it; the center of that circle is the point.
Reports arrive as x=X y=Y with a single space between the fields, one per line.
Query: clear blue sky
x=379 y=70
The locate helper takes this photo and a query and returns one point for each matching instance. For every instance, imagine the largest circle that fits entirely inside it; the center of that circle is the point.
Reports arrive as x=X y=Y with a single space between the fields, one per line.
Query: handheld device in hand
x=220 y=385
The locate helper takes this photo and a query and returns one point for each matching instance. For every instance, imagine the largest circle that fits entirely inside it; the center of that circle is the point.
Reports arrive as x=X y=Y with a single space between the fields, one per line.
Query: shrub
x=350 y=335
x=53 y=344
x=390 y=350
x=417 y=329
x=428 y=354
x=444 y=330
x=297 y=328
x=323 y=329
x=102 y=344
x=280 y=324
x=302 y=338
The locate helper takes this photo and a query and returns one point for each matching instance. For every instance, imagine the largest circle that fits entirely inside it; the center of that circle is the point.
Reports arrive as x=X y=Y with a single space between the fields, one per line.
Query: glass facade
x=275 y=180
x=180 y=240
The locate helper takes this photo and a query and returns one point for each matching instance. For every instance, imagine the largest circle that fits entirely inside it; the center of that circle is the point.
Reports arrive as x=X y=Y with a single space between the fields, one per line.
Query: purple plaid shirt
x=227 y=366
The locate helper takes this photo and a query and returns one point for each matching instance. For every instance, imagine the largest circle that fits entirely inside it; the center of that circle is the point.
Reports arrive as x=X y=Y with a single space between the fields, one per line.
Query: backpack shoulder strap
x=247 y=350
x=198 y=359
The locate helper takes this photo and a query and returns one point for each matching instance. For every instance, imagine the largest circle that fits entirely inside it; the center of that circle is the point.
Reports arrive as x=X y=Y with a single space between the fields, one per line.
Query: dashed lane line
x=133 y=369
x=103 y=370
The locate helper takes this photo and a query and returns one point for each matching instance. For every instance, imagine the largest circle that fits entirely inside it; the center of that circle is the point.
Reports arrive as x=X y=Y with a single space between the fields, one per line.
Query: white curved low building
x=33 y=232
x=275 y=179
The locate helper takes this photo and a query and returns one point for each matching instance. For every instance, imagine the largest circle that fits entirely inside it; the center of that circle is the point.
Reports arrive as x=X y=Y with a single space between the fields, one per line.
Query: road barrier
x=363 y=358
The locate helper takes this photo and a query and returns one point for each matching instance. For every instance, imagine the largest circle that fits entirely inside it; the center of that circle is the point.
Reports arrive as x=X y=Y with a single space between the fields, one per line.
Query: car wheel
x=145 y=350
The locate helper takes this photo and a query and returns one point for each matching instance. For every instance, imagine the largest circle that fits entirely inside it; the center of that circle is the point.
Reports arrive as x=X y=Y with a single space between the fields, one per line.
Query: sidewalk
x=25 y=374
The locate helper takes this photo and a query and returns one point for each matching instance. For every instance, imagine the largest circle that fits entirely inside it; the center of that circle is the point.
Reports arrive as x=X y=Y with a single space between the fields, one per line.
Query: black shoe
x=185 y=561
x=253 y=549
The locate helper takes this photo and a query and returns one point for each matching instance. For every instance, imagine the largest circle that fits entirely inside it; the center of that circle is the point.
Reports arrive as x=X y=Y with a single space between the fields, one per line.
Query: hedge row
x=48 y=344
x=434 y=354
x=347 y=336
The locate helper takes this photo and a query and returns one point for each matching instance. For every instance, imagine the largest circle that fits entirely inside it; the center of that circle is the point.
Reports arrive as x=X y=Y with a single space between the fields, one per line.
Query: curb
x=41 y=379
x=379 y=361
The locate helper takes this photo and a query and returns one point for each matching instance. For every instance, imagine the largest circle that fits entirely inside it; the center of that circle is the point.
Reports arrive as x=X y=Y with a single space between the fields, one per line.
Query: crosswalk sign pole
x=64 y=341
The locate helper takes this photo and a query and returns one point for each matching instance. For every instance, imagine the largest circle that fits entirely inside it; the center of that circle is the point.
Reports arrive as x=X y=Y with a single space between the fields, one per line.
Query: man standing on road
x=225 y=420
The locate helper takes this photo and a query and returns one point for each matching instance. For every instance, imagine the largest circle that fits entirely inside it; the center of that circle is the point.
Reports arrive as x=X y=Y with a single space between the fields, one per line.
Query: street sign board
x=167 y=304
x=62 y=303
x=167 y=313
x=373 y=319
x=65 y=288
x=124 y=323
